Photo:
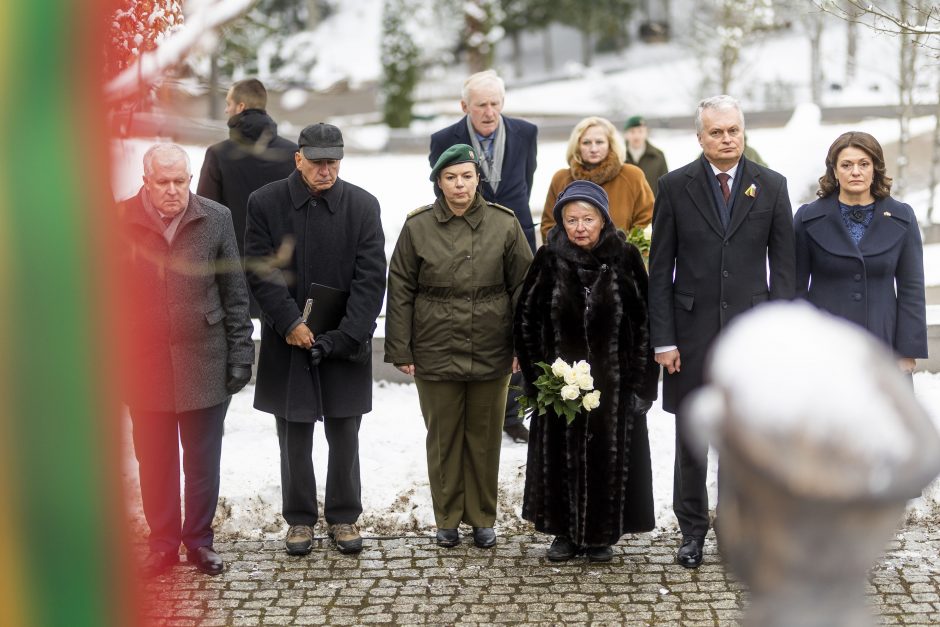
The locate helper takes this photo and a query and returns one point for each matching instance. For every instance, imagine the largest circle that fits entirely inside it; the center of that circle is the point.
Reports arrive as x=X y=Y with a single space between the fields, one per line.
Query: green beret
x=458 y=153
x=633 y=121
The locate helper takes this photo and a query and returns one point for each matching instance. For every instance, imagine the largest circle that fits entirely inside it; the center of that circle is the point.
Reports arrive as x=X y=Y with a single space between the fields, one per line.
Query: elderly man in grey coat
x=189 y=348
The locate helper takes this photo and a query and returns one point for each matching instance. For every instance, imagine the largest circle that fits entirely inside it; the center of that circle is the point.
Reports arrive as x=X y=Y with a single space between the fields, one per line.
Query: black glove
x=238 y=377
x=321 y=349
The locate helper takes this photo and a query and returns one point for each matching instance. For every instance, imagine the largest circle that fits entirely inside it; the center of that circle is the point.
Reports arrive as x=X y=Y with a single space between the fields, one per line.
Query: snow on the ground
x=395 y=493
x=932 y=264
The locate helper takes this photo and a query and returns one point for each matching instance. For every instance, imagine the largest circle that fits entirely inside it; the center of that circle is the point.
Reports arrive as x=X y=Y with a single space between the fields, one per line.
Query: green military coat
x=653 y=164
x=452 y=285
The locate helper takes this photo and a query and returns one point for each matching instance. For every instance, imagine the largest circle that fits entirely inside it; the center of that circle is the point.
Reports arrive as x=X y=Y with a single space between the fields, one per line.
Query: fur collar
x=602 y=173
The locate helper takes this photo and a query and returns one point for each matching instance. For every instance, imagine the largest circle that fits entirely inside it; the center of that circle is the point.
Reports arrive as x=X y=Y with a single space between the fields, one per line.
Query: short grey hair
x=486 y=77
x=165 y=152
x=718 y=103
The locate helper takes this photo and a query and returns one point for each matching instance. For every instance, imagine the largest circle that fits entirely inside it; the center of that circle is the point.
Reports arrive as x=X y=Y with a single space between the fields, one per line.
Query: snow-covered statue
x=821 y=444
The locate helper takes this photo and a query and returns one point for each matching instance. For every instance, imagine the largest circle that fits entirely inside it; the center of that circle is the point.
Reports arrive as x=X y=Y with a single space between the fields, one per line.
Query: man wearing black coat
x=717 y=222
x=314 y=227
x=188 y=342
x=253 y=156
x=508 y=147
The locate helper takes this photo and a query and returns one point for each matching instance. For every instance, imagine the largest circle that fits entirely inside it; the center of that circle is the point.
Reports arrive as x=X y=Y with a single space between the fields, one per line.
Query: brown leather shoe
x=346 y=536
x=206 y=560
x=299 y=539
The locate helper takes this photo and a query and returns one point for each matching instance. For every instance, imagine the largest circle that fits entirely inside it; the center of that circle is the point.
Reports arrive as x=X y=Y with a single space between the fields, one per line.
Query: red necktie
x=723 y=178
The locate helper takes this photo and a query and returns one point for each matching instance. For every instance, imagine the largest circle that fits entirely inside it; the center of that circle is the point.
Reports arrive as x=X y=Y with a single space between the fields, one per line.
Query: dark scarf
x=602 y=173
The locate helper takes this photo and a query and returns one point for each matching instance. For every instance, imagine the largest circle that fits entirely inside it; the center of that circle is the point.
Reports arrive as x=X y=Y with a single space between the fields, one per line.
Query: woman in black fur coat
x=585 y=298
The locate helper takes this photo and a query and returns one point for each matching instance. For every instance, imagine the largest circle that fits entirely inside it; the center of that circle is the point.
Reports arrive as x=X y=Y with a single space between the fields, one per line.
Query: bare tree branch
x=209 y=15
x=927 y=22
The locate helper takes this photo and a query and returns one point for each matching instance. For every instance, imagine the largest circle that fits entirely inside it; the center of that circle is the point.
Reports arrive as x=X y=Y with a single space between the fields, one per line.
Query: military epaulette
x=419 y=210
x=498 y=206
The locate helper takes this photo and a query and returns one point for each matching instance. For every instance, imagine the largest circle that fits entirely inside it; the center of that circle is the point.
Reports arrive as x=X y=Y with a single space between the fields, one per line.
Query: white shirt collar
x=731 y=172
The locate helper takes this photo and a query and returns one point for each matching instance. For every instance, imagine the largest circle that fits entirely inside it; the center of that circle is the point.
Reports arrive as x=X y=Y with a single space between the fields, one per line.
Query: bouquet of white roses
x=563 y=387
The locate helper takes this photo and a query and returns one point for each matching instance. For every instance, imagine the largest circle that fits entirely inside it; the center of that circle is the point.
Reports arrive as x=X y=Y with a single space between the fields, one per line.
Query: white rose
x=581 y=367
x=560 y=368
x=571 y=377
x=570 y=392
x=648 y=231
x=585 y=382
x=591 y=400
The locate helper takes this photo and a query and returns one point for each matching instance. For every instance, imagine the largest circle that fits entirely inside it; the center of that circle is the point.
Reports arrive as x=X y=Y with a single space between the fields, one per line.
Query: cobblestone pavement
x=410 y=580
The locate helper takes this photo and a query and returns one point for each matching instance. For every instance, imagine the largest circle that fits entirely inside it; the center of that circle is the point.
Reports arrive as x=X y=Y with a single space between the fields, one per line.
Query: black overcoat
x=515 y=185
x=702 y=275
x=292 y=240
x=878 y=284
x=253 y=156
x=590 y=481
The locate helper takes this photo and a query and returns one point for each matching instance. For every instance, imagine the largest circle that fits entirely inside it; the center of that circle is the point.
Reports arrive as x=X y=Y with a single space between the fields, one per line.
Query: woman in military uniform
x=453 y=281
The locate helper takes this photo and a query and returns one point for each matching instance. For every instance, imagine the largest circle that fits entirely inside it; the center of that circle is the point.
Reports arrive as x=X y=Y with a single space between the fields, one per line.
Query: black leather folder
x=329 y=307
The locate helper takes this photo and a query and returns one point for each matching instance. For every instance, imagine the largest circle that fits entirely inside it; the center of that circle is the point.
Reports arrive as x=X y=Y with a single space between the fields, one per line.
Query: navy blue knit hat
x=587 y=191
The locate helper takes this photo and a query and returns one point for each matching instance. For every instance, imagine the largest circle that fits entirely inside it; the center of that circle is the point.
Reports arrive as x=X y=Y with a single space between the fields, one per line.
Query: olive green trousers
x=465 y=429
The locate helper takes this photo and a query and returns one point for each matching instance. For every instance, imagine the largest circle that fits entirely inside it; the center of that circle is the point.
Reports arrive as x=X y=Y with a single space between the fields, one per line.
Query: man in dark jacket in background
x=643 y=154
x=189 y=348
x=314 y=227
x=508 y=149
x=253 y=156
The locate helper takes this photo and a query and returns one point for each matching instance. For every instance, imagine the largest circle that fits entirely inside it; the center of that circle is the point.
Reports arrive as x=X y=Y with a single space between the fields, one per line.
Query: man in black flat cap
x=314 y=227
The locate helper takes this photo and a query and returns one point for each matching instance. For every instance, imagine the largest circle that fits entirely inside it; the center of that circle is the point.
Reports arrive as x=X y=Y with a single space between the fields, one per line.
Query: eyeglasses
x=573 y=223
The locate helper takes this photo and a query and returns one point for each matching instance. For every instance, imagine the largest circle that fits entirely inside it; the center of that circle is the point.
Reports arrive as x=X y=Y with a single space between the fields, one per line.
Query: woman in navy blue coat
x=858 y=251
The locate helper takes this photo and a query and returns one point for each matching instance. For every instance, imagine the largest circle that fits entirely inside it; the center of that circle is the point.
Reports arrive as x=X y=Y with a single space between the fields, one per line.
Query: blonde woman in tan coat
x=596 y=153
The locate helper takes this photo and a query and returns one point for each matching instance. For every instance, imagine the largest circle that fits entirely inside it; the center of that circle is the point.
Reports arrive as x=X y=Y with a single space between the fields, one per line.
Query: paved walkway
x=412 y=581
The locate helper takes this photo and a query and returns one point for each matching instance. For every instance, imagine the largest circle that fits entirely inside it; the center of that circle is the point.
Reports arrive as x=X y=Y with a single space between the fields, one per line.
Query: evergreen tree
x=599 y=21
x=482 y=30
x=399 y=63
x=520 y=16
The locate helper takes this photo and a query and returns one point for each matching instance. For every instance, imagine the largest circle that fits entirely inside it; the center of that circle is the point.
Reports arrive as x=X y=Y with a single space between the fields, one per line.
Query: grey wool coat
x=187 y=307
x=334 y=239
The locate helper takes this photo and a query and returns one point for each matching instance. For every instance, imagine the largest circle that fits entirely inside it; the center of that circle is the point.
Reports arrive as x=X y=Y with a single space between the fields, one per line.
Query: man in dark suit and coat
x=719 y=224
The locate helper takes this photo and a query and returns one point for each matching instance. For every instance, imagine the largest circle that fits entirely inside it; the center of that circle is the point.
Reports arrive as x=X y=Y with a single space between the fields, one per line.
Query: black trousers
x=343 y=503
x=689 y=494
x=512 y=405
x=157 y=439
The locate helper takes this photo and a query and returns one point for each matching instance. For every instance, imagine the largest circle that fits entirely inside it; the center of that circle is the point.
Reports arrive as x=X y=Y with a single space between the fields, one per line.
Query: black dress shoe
x=157 y=563
x=690 y=553
x=517 y=432
x=484 y=537
x=599 y=553
x=448 y=538
x=562 y=549
x=205 y=559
